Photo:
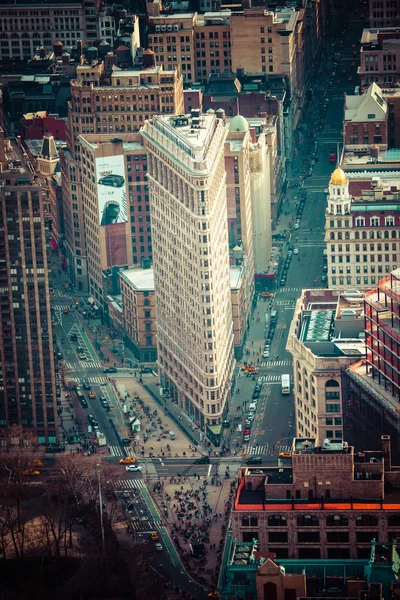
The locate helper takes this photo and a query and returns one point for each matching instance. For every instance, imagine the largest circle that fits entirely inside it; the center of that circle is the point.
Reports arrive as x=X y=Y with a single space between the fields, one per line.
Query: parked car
x=266 y=354
x=92 y=420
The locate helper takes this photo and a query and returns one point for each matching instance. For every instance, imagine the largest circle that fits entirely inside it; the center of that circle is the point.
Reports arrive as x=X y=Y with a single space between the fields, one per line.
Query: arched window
x=146 y=302
x=364 y=235
x=357 y=235
x=307 y=521
x=14 y=36
x=394 y=233
x=249 y=522
x=332 y=383
x=386 y=235
x=366 y=521
x=337 y=521
x=277 y=521
x=47 y=35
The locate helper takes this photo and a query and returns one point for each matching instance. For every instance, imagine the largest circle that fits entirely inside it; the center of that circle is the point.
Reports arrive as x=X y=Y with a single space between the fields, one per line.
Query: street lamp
x=101 y=512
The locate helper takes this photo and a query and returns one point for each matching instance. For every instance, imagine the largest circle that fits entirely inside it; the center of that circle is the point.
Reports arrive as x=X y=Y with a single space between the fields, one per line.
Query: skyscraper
x=27 y=371
x=191 y=261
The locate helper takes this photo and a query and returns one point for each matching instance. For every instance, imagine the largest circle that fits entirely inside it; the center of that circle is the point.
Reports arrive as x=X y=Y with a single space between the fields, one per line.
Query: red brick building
x=366 y=120
x=326 y=502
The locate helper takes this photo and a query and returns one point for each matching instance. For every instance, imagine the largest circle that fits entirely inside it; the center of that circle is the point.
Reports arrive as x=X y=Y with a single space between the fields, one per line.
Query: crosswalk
x=285 y=303
x=268 y=449
x=292 y=289
x=272 y=379
x=116 y=451
x=126 y=484
x=276 y=363
x=97 y=380
x=85 y=364
x=145 y=524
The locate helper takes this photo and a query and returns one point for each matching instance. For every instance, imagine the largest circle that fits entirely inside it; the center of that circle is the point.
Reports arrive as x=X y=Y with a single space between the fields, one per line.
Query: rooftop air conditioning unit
x=158 y=29
x=176 y=27
x=163 y=28
x=169 y=27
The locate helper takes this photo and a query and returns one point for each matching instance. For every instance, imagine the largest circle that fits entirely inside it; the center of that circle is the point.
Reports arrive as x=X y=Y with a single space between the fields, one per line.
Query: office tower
x=361 y=225
x=323 y=341
x=372 y=386
x=27 y=371
x=191 y=261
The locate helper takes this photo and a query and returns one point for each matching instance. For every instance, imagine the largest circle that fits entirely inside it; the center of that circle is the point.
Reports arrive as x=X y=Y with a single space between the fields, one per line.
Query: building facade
x=114 y=109
x=366 y=121
x=361 y=231
x=27 y=25
x=384 y=14
x=27 y=372
x=330 y=503
x=191 y=261
x=323 y=340
x=379 y=57
x=139 y=313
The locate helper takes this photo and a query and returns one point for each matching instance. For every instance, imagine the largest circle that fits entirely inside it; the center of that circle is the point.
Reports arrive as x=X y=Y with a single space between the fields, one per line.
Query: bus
x=285 y=384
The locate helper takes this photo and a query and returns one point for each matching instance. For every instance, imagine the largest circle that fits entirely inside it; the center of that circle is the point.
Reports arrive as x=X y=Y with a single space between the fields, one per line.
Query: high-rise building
x=27 y=370
x=371 y=405
x=29 y=24
x=361 y=229
x=118 y=103
x=191 y=261
x=323 y=340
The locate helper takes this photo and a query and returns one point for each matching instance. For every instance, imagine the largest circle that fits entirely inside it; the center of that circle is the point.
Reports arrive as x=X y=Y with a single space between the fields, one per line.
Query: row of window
x=338 y=520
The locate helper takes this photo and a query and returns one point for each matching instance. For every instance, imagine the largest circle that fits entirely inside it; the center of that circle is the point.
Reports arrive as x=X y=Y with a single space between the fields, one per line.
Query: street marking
x=131 y=483
x=116 y=451
x=276 y=363
x=267 y=449
x=84 y=365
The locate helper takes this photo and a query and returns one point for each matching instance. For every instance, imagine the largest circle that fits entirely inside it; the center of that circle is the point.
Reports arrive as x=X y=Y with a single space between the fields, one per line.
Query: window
x=337 y=521
x=307 y=536
x=307 y=521
x=360 y=222
x=249 y=522
x=365 y=537
x=278 y=536
x=366 y=521
x=337 y=536
x=277 y=521
x=332 y=408
x=374 y=221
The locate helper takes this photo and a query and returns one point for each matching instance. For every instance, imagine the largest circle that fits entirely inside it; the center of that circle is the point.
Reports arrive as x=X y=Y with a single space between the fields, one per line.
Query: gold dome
x=338 y=177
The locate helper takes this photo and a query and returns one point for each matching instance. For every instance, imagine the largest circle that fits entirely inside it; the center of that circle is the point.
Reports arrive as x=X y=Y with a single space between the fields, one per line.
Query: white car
x=158 y=547
x=133 y=468
x=266 y=354
x=296 y=225
x=296 y=251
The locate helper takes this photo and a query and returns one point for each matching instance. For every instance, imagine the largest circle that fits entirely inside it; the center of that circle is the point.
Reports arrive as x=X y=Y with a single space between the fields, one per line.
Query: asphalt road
x=274 y=424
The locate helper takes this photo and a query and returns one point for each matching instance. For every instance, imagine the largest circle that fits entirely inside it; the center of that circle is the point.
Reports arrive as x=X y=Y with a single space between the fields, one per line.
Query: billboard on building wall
x=111 y=190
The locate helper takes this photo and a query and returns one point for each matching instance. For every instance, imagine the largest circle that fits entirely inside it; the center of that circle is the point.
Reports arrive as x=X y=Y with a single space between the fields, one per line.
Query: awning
x=91 y=301
x=53 y=243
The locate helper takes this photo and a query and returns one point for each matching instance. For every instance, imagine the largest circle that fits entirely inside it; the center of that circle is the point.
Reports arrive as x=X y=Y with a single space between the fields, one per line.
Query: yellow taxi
x=127 y=461
x=92 y=394
x=153 y=536
x=32 y=472
x=65 y=309
x=285 y=454
x=37 y=463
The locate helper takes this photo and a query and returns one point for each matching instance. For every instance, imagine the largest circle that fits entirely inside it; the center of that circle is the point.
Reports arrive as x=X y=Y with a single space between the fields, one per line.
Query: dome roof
x=239 y=123
x=338 y=177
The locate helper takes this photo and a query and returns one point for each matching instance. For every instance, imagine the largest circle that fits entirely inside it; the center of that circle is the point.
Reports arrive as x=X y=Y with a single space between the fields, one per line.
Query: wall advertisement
x=111 y=190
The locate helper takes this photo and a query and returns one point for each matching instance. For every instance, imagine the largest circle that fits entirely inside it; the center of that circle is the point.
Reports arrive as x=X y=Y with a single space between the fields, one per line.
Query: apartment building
x=117 y=109
x=361 y=228
x=27 y=370
x=385 y=13
x=324 y=339
x=372 y=386
x=191 y=262
x=366 y=121
x=328 y=502
x=379 y=57
x=139 y=313
x=26 y=25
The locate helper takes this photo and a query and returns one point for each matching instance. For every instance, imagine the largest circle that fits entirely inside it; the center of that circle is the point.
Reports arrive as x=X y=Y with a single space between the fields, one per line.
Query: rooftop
x=140 y=279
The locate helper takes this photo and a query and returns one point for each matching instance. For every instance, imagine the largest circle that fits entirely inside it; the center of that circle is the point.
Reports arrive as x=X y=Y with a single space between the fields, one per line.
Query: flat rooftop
x=235 y=278
x=139 y=279
x=180 y=129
